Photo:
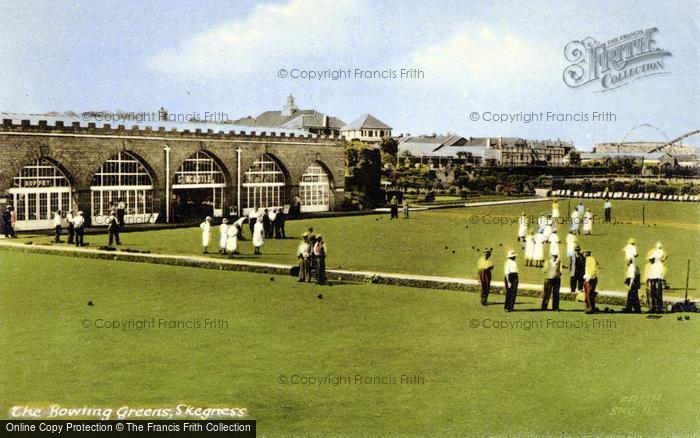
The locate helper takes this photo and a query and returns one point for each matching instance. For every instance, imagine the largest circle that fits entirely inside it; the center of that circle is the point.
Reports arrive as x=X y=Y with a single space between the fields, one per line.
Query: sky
x=477 y=57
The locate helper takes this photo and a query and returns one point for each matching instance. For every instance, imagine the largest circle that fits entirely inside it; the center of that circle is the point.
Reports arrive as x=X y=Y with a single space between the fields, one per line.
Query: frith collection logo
x=616 y=62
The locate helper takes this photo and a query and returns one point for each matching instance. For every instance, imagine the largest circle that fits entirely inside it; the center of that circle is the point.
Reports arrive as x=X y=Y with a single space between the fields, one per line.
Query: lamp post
x=166 y=148
x=238 y=184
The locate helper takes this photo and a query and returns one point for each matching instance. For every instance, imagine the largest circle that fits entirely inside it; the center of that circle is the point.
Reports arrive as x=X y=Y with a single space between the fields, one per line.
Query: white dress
x=522 y=227
x=547 y=231
x=587 y=222
x=541 y=222
x=554 y=245
x=529 y=247
x=232 y=239
x=258 y=234
x=538 y=253
x=555 y=211
x=206 y=233
x=575 y=220
x=570 y=245
x=223 y=229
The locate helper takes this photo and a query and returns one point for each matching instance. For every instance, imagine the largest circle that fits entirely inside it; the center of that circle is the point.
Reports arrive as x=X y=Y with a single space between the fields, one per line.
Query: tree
x=389 y=146
x=575 y=158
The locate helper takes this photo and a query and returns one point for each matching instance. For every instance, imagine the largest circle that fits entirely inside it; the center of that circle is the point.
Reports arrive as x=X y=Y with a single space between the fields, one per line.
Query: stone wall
x=80 y=150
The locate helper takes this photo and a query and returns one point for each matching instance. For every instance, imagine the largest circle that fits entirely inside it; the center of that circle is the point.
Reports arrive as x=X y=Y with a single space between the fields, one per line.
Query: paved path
x=398 y=279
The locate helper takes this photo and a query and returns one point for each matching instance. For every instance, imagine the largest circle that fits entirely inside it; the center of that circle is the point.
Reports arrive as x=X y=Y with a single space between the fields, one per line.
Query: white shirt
x=240 y=221
x=656 y=271
x=253 y=214
x=630 y=251
x=78 y=221
x=510 y=267
x=607 y=205
x=631 y=271
x=658 y=253
x=57 y=220
x=272 y=215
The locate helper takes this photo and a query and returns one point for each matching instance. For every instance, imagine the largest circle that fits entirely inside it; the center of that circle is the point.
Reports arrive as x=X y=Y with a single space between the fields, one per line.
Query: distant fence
x=624 y=195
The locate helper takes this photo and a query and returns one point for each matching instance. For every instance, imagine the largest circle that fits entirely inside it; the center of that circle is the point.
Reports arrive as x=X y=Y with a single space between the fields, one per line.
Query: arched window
x=314 y=189
x=199 y=187
x=123 y=179
x=264 y=184
x=199 y=170
x=38 y=191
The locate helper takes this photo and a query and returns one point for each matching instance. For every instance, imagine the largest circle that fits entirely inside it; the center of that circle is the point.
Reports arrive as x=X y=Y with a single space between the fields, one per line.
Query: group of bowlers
x=311 y=255
x=583 y=266
x=545 y=232
x=583 y=278
x=263 y=224
x=311 y=252
x=394 y=208
x=74 y=222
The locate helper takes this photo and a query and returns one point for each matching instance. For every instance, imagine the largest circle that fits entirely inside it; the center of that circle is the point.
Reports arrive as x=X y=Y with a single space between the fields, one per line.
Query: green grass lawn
x=629 y=375
x=445 y=242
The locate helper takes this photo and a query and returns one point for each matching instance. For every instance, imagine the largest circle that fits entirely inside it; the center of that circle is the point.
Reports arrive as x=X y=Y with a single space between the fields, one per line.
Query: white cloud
x=272 y=34
x=477 y=56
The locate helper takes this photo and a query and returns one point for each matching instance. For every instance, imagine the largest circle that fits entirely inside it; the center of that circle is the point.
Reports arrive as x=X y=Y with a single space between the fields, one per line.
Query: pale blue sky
x=224 y=56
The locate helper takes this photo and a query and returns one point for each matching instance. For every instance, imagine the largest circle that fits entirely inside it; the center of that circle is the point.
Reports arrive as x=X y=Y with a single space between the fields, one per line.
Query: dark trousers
x=394 y=212
x=589 y=289
x=576 y=283
x=114 y=236
x=276 y=228
x=608 y=214
x=485 y=280
x=79 y=232
x=551 y=288
x=511 y=291
x=57 y=239
x=251 y=225
x=9 y=229
x=633 y=304
x=120 y=216
x=657 y=295
x=71 y=233
x=321 y=269
x=283 y=234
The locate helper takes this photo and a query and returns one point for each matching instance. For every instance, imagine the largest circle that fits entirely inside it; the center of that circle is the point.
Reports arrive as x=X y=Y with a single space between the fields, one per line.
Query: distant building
x=504 y=151
x=662 y=154
x=291 y=117
x=437 y=150
x=516 y=151
x=366 y=128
